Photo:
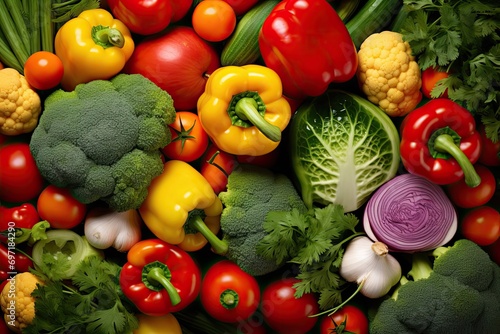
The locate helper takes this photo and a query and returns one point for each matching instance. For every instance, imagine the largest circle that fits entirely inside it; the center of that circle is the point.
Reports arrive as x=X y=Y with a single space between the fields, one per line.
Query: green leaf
x=106 y=321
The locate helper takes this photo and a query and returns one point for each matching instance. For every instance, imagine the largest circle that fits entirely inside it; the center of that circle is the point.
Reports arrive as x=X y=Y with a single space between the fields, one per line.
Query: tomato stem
x=229 y=299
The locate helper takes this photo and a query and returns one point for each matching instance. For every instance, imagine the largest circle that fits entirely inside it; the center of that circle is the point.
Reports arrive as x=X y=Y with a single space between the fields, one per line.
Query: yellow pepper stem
x=156 y=276
x=107 y=37
x=218 y=246
x=247 y=107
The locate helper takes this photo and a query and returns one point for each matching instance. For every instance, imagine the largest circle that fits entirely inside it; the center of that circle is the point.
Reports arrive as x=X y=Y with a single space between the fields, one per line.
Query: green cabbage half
x=343 y=148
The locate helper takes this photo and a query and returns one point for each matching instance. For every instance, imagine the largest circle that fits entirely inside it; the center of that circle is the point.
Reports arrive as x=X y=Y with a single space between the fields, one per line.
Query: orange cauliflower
x=388 y=73
x=18 y=306
x=20 y=106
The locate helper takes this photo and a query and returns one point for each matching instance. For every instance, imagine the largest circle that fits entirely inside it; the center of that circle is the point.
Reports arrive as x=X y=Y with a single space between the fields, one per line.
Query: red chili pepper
x=308 y=45
x=159 y=278
x=439 y=141
x=149 y=17
x=12 y=260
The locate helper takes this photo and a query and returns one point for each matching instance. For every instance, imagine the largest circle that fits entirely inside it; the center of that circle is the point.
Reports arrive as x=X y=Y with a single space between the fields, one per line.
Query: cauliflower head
x=388 y=73
x=18 y=306
x=20 y=105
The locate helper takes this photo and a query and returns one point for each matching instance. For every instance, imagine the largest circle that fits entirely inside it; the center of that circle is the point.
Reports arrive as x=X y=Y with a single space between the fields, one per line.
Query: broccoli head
x=440 y=299
x=252 y=192
x=102 y=141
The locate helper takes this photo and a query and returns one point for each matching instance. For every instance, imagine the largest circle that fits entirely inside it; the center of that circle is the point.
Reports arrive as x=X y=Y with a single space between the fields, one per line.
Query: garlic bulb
x=369 y=263
x=106 y=228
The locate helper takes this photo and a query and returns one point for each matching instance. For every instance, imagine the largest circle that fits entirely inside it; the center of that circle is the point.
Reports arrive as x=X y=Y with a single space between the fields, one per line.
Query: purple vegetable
x=410 y=214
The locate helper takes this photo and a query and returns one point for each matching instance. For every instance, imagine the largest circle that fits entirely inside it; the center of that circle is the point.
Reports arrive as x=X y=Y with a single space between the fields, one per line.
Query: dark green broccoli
x=458 y=293
x=252 y=192
x=102 y=140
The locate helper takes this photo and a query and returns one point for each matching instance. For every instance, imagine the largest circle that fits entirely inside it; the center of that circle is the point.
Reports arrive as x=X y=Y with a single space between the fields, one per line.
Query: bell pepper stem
x=218 y=246
x=246 y=109
x=445 y=143
x=155 y=275
x=107 y=37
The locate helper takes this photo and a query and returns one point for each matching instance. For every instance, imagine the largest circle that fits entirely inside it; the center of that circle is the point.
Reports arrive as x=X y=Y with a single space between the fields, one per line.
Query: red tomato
x=240 y=7
x=283 y=312
x=213 y=20
x=466 y=197
x=189 y=140
x=490 y=151
x=60 y=208
x=216 y=167
x=228 y=293
x=348 y=319
x=430 y=77
x=20 y=179
x=481 y=225
x=43 y=70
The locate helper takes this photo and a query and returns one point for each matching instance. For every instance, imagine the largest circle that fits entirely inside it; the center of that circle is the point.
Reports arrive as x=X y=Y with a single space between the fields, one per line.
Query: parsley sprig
x=315 y=241
x=92 y=303
x=460 y=37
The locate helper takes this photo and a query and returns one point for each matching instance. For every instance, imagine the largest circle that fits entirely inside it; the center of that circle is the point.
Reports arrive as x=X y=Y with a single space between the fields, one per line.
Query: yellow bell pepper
x=92 y=46
x=243 y=110
x=174 y=199
x=166 y=324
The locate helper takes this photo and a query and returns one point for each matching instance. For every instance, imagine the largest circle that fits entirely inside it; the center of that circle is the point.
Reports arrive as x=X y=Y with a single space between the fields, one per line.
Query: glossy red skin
x=283 y=312
x=60 y=208
x=43 y=70
x=214 y=176
x=309 y=46
x=178 y=61
x=20 y=179
x=13 y=261
x=147 y=17
x=467 y=197
x=416 y=130
x=185 y=276
x=22 y=216
x=226 y=275
x=240 y=7
x=355 y=319
x=489 y=150
x=481 y=225
x=430 y=77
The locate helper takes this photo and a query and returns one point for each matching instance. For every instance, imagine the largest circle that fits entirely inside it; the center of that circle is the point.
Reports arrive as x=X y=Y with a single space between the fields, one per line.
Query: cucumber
x=242 y=48
x=371 y=18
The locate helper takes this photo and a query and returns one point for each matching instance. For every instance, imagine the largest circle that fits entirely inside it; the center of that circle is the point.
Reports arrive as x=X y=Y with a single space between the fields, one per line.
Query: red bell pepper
x=159 y=278
x=22 y=216
x=13 y=261
x=308 y=45
x=439 y=142
x=149 y=17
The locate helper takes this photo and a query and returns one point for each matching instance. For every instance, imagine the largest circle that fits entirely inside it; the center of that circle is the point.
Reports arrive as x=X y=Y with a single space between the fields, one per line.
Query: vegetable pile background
x=246 y=166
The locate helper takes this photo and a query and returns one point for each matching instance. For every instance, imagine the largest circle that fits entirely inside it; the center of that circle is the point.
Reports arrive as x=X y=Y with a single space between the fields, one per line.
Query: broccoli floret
x=102 y=141
x=252 y=192
x=440 y=299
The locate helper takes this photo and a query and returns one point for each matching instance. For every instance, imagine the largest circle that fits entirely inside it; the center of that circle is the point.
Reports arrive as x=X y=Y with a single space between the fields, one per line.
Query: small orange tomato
x=60 y=208
x=43 y=70
x=213 y=20
x=430 y=77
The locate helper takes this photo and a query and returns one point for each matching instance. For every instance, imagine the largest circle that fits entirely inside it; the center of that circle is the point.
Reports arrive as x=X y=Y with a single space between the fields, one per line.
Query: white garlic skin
x=369 y=263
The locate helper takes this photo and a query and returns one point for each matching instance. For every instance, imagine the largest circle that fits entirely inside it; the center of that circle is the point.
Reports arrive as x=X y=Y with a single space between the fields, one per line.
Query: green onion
x=11 y=34
x=46 y=25
x=6 y=55
x=34 y=16
x=16 y=13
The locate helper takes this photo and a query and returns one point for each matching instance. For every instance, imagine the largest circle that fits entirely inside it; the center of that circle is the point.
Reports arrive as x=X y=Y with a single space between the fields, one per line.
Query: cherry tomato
x=283 y=312
x=348 y=319
x=189 y=140
x=228 y=293
x=60 y=208
x=430 y=77
x=467 y=197
x=481 y=225
x=20 y=179
x=490 y=151
x=216 y=167
x=213 y=20
x=240 y=7
x=43 y=70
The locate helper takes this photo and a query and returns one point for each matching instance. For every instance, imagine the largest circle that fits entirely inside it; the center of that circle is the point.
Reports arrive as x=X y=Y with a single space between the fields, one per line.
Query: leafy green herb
x=91 y=304
x=315 y=242
x=460 y=37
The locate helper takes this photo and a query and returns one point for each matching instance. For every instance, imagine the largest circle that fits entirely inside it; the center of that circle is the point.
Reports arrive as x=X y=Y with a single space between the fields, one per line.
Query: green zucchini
x=242 y=48
x=372 y=18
